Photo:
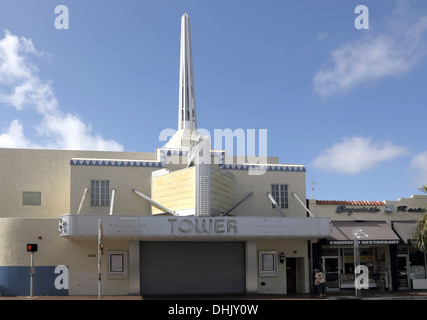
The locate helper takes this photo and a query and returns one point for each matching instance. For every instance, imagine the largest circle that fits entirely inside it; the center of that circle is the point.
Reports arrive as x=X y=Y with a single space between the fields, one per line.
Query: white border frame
x=118 y=274
x=267 y=271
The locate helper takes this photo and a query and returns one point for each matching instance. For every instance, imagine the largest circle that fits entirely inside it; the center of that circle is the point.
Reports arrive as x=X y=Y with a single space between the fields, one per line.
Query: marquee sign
x=203 y=225
x=194 y=227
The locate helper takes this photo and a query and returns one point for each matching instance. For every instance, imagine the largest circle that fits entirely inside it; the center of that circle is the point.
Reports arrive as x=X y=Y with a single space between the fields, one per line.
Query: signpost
x=32 y=247
x=100 y=252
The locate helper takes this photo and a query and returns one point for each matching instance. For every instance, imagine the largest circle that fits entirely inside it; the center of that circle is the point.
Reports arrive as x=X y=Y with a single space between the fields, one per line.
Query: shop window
x=99 y=193
x=417 y=264
x=31 y=198
x=280 y=195
x=366 y=258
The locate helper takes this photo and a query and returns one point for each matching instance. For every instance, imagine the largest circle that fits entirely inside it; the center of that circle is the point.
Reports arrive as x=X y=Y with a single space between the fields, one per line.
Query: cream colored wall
x=122 y=179
x=291 y=249
x=47 y=171
x=53 y=250
x=259 y=204
x=33 y=170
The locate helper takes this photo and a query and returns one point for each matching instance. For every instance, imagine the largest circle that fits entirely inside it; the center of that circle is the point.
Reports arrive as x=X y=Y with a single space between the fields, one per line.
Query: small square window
x=280 y=195
x=31 y=198
x=100 y=193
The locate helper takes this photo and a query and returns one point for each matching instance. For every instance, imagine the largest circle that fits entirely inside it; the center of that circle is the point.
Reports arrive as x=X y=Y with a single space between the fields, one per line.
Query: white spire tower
x=187 y=102
x=187 y=122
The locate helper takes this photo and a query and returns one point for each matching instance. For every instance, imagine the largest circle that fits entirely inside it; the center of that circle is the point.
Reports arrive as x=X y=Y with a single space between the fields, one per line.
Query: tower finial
x=187 y=103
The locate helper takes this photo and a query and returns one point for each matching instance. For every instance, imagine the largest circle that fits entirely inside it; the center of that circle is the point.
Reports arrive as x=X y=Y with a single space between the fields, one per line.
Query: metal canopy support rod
x=302 y=203
x=236 y=205
x=81 y=201
x=275 y=204
x=156 y=204
x=113 y=192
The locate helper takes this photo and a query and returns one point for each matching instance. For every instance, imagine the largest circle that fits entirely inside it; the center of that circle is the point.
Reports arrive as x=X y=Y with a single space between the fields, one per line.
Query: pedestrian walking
x=320 y=282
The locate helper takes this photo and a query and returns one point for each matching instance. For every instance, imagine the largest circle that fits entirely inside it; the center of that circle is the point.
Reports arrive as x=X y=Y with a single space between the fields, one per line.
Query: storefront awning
x=368 y=232
x=404 y=229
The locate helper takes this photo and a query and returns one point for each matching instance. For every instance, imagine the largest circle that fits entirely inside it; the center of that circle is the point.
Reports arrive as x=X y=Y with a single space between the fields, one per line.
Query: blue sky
x=348 y=103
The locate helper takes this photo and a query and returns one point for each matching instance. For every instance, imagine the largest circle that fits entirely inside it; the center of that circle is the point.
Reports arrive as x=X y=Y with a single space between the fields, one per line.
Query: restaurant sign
x=349 y=211
x=366 y=242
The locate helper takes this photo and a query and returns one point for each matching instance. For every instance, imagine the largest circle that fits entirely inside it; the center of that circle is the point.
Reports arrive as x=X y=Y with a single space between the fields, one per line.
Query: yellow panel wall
x=175 y=190
x=222 y=192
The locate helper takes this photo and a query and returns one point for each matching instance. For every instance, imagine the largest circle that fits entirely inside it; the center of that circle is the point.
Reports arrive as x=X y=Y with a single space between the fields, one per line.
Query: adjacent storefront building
x=383 y=230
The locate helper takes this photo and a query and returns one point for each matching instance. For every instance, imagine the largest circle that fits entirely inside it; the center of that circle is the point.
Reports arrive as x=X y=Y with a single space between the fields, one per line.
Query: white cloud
x=356 y=154
x=14 y=137
x=419 y=165
x=374 y=56
x=21 y=87
x=71 y=133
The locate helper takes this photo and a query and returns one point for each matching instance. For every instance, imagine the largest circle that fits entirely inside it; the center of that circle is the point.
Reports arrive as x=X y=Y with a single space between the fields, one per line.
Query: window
x=99 y=193
x=31 y=198
x=280 y=195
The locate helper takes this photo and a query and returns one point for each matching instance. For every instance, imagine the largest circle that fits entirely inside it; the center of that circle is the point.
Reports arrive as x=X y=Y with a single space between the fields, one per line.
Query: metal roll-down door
x=192 y=267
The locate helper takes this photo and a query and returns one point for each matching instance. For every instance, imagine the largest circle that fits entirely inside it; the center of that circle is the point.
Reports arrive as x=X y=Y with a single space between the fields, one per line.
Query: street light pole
x=356 y=263
x=358 y=233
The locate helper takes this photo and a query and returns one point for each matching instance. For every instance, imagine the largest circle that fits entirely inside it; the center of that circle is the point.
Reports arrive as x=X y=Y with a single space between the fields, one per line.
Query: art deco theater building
x=185 y=219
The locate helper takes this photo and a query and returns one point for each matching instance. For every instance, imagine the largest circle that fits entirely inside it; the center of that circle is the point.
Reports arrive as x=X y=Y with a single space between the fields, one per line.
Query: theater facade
x=184 y=219
x=188 y=219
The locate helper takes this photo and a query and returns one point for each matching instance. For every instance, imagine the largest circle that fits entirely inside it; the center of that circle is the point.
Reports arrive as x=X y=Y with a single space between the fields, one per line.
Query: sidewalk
x=339 y=295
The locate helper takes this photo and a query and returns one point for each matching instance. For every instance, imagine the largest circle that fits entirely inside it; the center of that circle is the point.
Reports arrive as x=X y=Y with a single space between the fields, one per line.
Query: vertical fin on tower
x=187 y=103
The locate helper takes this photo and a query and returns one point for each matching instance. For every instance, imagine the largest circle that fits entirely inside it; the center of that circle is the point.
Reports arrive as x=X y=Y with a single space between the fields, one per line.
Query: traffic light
x=32 y=247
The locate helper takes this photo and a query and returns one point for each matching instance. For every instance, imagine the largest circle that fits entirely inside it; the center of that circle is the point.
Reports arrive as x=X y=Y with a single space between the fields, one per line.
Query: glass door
x=331 y=270
x=402 y=271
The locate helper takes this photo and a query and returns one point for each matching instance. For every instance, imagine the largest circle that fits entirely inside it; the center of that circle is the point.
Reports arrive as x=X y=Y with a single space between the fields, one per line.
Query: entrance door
x=291 y=275
x=402 y=271
x=331 y=270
